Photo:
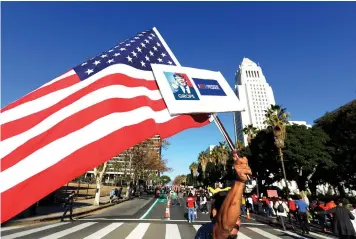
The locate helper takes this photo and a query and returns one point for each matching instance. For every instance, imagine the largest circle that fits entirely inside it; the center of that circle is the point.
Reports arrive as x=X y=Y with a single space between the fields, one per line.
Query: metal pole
x=224 y=133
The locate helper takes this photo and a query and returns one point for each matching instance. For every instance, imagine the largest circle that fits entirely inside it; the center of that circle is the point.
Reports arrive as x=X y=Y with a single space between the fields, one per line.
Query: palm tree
x=239 y=145
x=224 y=154
x=184 y=179
x=277 y=120
x=250 y=131
x=194 y=168
x=203 y=159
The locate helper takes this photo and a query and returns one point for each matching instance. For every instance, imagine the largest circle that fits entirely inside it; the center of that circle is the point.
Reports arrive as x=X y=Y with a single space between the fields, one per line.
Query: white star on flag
x=89 y=71
x=129 y=58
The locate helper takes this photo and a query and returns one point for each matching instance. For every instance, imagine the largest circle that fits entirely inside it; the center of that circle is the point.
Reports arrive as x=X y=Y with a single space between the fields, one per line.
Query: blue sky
x=306 y=49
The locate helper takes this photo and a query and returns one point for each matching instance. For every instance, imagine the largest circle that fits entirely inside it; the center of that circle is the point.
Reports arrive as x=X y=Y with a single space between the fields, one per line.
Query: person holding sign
x=228 y=220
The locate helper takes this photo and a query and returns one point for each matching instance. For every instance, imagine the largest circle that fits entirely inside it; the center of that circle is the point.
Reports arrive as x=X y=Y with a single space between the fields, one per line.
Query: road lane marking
x=139 y=231
x=172 y=231
x=321 y=236
x=103 y=232
x=4 y=229
x=243 y=236
x=149 y=210
x=69 y=231
x=292 y=234
x=263 y=233
x=196 y=227
x=28 y=232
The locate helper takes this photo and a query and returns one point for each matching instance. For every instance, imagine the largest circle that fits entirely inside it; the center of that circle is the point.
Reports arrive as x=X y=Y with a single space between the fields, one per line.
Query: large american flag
x=82 y=118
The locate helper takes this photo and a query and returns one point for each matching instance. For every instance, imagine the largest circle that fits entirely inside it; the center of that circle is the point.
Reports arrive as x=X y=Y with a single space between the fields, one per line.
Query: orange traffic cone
x=248 y=214
x=166 y=214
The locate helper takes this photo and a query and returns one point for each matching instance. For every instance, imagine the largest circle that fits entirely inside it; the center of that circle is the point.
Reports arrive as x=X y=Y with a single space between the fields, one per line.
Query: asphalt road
x=140 y=218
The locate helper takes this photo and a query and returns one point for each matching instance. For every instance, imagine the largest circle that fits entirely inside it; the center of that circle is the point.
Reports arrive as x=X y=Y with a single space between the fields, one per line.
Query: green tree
x=277 y=119
x=165 y=179
x=193 y=167
x=340 y=125
x=203 y=160
x=250 y=131
x=305 y=153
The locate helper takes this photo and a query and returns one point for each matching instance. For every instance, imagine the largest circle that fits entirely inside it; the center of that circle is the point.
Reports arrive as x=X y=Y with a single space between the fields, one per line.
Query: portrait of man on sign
x=181 y=86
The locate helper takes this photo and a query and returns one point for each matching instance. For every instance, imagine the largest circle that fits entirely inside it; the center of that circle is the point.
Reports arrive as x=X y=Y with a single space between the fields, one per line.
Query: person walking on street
x=174 y=198
x=342 y=225
x=302 y=209
x=353 y=211
x=281 y=211
x=243 y=205
x=191 y=205
x=203 y=203
x=68 y=205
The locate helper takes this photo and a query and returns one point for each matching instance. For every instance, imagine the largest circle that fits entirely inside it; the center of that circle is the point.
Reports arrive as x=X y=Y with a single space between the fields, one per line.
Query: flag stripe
x=88 y=100
x=18 y=126
x=77 y=121
x=64 y=81
x=86 y=157
x=48 y=100
x=64 y=146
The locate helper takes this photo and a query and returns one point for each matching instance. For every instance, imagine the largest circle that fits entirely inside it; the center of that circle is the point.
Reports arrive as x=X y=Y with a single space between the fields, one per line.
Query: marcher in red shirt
x=191 y=204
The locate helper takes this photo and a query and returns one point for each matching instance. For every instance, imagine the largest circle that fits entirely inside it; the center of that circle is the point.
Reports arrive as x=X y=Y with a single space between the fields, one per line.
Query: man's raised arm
x=229 y=214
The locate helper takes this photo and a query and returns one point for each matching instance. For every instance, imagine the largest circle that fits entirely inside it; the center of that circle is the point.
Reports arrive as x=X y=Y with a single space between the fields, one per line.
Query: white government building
x=255 y=95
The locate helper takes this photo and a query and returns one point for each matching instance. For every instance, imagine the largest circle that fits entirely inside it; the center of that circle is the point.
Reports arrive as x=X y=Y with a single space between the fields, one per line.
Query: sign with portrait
x=188 y=90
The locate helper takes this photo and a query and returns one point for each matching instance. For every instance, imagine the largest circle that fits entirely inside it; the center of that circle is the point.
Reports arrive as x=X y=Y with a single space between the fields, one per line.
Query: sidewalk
x=55 y=212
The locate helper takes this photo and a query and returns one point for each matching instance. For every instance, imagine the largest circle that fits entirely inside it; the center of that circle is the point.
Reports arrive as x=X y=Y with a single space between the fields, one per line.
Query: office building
x=255 y=95
x=120 y=165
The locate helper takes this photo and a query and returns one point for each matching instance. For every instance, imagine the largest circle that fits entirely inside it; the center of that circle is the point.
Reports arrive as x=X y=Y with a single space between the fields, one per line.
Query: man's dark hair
x=178 y=75
x=218 y=200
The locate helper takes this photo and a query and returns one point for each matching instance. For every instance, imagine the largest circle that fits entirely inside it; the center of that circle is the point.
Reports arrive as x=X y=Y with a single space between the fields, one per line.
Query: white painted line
x=4 y=229
x=196 y=227
x=263 y=233
x=242 y=236
x=103 y=232
x=139 y=231
x=321 y=236
x=133 y=219
x=137 y=220
x=28 y=232
x=172 y=231
x=255 y=224
x=69 y=231
x=292 y=234
x=149 y=210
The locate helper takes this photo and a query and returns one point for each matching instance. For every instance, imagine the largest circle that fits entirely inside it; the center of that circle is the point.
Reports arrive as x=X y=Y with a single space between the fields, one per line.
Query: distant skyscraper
x=255 y=95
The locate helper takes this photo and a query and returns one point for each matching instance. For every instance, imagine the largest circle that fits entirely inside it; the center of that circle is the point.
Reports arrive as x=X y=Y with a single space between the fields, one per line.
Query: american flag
x=83 y=118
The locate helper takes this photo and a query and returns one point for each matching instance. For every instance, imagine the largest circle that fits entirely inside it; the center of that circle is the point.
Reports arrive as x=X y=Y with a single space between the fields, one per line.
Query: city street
x=141 y=218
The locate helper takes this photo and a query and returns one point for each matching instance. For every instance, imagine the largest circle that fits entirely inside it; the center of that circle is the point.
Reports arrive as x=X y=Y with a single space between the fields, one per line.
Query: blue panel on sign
x=209 y=87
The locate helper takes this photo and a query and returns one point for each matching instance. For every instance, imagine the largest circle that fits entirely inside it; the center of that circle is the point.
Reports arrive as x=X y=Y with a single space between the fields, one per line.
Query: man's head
x=218 y=201
x=180 y=79
x=190 y=194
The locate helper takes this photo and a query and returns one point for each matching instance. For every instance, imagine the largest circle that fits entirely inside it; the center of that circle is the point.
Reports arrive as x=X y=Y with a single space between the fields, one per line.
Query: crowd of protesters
x=331 y=216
